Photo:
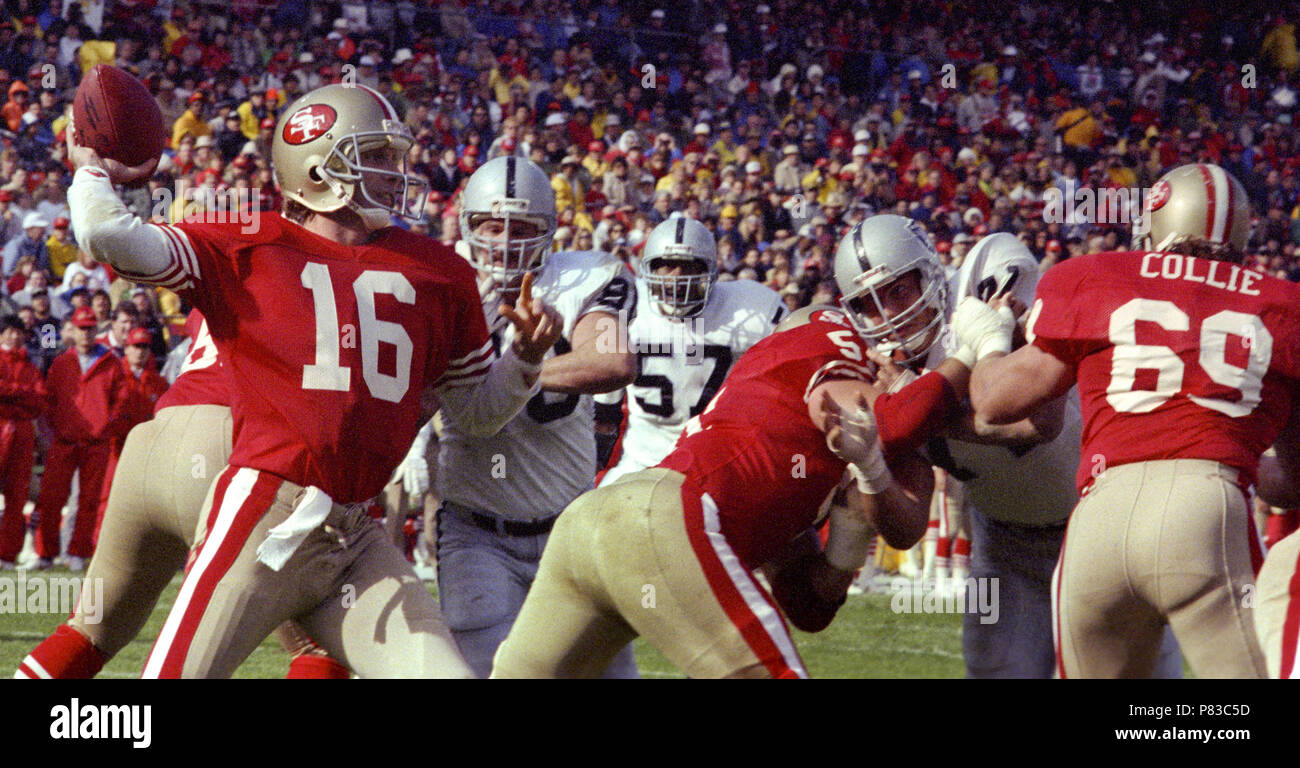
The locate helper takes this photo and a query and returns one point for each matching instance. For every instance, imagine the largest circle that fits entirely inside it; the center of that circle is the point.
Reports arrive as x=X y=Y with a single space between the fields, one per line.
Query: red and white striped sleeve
x=145 y=253
x=469 y=369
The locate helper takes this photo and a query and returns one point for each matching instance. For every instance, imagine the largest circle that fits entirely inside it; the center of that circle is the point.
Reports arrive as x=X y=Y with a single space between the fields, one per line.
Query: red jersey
x=1176 y=357
x=203 y=377
x=329 y=346
x=91 y=406
x=22 y=390
x=754 y=449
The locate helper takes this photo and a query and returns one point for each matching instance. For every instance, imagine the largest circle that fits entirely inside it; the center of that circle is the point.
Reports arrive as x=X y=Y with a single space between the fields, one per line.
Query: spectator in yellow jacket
x=254 y=110
x=568 y=187
x=61 y=248
x=191 y=121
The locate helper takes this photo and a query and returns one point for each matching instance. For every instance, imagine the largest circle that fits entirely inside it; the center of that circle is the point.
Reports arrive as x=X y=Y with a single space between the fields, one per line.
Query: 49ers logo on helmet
x=1159 y=195
x=309 y=123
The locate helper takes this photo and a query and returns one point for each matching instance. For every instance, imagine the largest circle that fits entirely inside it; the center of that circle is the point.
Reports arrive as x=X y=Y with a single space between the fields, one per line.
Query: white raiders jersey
x=1034 y=487
x=545 y=456
x=682 y=363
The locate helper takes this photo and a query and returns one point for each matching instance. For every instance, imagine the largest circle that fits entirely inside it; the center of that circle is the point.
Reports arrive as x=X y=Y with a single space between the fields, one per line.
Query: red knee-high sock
x=64 y=655
x=961 y=554
x=309 y=666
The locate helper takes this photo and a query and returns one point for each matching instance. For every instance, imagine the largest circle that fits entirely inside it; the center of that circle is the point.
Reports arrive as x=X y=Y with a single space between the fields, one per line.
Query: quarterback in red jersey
x=668 y=553
x=333 y=325
x=1187 y=367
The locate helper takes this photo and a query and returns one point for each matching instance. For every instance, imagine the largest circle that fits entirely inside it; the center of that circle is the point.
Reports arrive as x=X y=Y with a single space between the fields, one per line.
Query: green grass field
x=866 y=640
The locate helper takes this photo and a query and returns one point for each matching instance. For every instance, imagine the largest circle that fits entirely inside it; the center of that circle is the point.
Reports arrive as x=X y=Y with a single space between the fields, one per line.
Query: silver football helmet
x=680 y=239
x=514 y=191
x=872 y=256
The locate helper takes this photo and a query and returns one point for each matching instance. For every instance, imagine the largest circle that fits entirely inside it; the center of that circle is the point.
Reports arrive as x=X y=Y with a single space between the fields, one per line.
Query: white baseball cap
x=554 y=119
x=403 y=55
x=34 y=219
x=753 y=166
x=720 y=29
x=859 y=150
x=657 y=13
x=861 y=135
x=367 y=61
x=701 y=128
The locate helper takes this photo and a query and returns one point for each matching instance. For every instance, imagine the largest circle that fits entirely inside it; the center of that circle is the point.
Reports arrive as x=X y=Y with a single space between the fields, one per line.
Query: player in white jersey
x=502 y=494
x=687 y=332
x=1019 y=479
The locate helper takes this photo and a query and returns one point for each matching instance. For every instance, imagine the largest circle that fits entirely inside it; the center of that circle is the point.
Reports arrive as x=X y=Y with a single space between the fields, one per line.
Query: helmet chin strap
x=373 y=218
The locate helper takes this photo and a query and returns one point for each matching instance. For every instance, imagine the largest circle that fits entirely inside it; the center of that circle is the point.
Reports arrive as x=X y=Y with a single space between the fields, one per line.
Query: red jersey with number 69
x=203 y=378
x=1177 y=357
x=329 y=346
x=755 y=451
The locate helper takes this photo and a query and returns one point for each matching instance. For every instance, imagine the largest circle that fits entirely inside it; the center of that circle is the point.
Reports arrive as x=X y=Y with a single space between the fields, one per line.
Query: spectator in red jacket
x=22 y=398
x=88 y=396
x=144 y=387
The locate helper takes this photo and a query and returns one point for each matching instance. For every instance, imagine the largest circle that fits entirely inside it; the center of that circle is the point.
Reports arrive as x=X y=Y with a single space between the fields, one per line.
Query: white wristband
x=872 y=473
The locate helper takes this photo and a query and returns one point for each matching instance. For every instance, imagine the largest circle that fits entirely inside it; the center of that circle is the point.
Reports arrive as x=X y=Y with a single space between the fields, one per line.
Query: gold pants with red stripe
x=1158 y=542
x=1277 y=608
x=165 y=469
x=345 y=585
x=645 y=556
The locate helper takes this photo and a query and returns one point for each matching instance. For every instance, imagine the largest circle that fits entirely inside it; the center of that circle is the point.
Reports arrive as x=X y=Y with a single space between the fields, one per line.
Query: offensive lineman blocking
x=1176 y=414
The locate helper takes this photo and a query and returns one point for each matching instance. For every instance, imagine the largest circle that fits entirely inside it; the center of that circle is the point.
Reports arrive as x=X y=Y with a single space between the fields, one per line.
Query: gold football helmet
x=1196 y=204
x=343 y=145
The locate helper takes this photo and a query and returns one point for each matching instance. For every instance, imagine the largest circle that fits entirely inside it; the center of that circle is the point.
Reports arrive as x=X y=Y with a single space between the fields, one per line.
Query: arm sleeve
x=479 y=394
x=481 y=406
x=910 y=417
x=137 y=251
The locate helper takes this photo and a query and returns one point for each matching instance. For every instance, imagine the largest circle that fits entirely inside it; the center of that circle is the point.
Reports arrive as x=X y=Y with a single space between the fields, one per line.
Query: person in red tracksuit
x=145 y=387
x=89 y=395
x=22 y=399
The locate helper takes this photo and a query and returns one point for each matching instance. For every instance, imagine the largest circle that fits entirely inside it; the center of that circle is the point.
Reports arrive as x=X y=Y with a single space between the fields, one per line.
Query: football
x=116 y=116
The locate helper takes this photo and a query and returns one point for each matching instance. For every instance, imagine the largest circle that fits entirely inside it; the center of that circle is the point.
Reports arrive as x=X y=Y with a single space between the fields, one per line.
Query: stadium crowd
x=778 y=125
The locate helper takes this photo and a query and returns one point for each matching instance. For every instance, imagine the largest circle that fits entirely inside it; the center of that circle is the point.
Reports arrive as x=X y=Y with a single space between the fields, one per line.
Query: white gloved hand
x=854 y=437
x=413 y=472
x=981 y=328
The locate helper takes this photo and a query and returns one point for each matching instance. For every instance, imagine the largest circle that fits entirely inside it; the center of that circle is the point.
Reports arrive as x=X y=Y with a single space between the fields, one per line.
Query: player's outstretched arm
x=481 y=408
x=1278 y=481
x=1005 y=389
x=599 y=361
x=1042 y=426
x=104 y=226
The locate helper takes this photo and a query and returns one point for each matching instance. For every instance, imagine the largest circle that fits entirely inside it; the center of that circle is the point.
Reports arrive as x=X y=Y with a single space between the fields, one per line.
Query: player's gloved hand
x=854 y=437
x=413 y=472
x=537 y=326
x=117 y=172
x=982 y=329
